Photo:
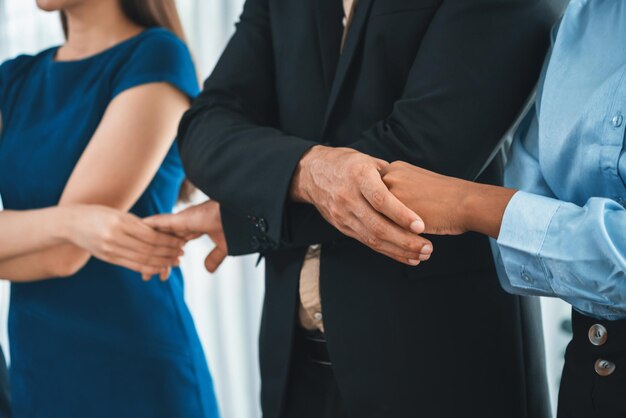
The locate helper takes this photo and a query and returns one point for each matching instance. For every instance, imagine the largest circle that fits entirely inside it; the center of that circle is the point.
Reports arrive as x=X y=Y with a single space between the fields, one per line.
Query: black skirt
x=594 y=377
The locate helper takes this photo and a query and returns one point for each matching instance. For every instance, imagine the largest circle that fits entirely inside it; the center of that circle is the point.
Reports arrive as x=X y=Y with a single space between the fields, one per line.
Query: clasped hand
x=363 y=197
x=347 y=189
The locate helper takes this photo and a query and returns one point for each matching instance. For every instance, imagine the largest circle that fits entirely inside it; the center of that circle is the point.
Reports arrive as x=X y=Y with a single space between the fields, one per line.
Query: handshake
x=384 y=206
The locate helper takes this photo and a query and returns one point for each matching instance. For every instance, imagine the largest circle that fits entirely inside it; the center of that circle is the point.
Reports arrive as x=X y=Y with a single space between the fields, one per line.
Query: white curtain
x=226 y=306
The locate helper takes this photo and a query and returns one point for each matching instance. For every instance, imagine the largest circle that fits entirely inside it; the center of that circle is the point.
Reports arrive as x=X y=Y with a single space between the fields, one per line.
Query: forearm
x=37 y=245
x=216 y=139
x=25 y=232
x=60 y=261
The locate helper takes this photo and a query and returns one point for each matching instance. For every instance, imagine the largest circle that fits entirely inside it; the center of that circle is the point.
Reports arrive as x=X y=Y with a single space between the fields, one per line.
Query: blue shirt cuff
x=526 y=221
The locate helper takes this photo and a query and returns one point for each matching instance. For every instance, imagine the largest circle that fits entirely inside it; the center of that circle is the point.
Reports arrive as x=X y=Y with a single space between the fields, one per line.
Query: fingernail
x=427 y=250
x=414 y=262
x=424 y=257
x=418 y=226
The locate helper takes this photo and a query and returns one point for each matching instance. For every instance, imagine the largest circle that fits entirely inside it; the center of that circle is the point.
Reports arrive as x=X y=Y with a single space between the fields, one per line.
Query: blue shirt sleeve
x=159 y=57
x=553 y=248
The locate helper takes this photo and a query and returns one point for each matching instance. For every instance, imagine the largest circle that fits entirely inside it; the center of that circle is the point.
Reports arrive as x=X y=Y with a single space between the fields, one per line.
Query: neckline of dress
x=53 y=51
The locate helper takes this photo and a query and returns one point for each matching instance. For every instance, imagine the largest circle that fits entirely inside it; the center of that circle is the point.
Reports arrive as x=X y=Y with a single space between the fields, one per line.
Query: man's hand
x=449 y=206
x=194 y=222
x=346 y=188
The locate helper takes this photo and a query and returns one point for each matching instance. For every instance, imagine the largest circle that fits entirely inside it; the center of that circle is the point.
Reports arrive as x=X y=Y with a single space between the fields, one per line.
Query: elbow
x=69 y=264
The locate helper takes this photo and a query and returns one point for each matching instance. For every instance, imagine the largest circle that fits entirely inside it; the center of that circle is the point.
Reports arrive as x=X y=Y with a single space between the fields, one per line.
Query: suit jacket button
x=598 y=335
x=262 y=224
x=604 y=368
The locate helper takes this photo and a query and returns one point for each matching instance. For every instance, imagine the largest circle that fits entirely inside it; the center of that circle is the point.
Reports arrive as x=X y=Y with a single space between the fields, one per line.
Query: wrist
x=300 y=185
x=67 y=221
x=483 y=207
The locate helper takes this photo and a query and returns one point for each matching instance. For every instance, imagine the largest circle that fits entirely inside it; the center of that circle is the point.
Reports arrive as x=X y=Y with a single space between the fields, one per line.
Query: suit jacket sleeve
x=229 y=146
x=476 y=64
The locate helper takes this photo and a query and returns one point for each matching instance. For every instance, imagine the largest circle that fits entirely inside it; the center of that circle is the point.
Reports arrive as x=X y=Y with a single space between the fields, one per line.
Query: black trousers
x=594 y=377
x=312 y=391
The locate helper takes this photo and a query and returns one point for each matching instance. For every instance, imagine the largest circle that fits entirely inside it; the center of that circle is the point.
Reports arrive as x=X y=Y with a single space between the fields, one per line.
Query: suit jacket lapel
x=355 y=33
x=328 y=14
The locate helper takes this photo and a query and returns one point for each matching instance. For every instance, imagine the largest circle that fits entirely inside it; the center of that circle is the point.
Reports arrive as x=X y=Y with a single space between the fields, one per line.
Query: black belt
x=312 y=345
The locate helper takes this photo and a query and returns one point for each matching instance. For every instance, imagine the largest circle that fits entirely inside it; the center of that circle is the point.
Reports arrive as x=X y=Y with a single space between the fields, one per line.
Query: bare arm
x=123 y=156
x=25 y=232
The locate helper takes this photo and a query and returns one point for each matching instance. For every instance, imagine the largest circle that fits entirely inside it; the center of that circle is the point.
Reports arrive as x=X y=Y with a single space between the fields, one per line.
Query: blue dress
x=101 y=343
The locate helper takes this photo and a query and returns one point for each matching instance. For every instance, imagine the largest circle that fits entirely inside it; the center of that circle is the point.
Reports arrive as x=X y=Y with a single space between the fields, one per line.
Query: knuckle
x=378 y=199
x=106 y=249
x=108 y=235
x=373 y=242
x=117 y=223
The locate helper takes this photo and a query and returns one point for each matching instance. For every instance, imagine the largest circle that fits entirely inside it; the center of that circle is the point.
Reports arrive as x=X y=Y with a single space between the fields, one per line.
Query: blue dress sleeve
x=3 y=67
x=159 y=57
x=550 y=247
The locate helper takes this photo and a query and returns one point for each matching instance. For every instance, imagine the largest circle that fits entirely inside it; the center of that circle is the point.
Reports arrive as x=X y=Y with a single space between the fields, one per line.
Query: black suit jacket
x=432 y=82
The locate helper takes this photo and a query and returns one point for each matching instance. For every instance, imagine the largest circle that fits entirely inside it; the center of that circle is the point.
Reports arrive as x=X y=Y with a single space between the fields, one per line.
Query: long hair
x=153 y=14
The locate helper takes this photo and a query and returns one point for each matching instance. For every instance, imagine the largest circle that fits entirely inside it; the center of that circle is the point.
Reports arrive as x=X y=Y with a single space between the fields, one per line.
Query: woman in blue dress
x=88 y=127
x=560 y=223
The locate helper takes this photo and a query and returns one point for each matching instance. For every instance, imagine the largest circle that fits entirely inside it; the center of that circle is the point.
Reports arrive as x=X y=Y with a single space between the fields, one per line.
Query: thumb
x=215 y=259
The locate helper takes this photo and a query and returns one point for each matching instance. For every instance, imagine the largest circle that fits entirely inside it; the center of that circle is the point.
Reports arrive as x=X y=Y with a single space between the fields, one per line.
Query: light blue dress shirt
x=564 y=232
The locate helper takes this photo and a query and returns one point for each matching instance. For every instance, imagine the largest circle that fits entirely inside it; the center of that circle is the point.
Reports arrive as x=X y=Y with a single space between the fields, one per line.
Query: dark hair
x=153 y=14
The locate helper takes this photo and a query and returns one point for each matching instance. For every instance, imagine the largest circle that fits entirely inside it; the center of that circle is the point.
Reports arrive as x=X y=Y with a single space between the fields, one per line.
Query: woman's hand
x=448 y=206
x=438 y=199
x=123 y=239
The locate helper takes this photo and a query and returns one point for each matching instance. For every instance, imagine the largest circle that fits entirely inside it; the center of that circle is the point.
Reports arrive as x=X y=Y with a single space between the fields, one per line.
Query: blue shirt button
x=617 y=120
x=526 y=277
